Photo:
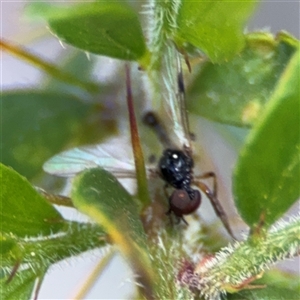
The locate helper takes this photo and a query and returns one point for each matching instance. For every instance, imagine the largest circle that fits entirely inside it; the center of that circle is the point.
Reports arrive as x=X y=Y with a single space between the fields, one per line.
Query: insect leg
x=167 y=196
x=214 y=177
x=216 y=205
x=183 y=219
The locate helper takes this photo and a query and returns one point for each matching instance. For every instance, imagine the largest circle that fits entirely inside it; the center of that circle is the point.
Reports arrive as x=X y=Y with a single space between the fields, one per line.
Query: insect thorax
x=176 y=169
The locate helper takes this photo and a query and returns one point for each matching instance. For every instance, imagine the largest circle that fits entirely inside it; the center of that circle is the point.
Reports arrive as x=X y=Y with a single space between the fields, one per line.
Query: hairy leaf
x=20 y=287
x=42 y=251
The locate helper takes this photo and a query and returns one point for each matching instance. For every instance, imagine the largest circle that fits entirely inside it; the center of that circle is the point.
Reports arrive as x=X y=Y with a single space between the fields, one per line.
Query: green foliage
x=268 y=293
x=99 y=195
x=20 y=288
x=44 y=123
x=105 y=28
x=39 y=217
x=255 y=83
x=36 y=254
x=235 y=92
x=34 y=235
x=278 y=285
x=227 y=270
x=267 y=175
x=213 y=27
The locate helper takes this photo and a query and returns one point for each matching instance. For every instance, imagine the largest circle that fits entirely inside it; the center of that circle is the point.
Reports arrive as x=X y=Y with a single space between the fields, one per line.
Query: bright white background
x=65 y=279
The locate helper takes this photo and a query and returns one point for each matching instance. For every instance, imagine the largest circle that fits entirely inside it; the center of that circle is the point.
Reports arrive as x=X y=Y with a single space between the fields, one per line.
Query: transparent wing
x=113 y=156
x=175 y=103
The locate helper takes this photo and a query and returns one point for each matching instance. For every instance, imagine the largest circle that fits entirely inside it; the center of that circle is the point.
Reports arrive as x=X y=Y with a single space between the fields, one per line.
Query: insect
x=175 y=166
x=176 y=169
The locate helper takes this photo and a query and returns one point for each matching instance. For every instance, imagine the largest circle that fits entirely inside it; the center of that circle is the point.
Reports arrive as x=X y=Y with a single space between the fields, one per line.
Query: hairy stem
x=234 y=267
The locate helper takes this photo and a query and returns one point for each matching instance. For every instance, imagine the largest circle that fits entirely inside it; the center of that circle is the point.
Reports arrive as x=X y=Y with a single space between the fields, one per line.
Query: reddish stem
x=136 y=145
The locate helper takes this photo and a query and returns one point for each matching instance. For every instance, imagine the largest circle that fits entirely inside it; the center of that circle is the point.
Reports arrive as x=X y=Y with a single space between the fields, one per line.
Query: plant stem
x=75 y=239
x=94 y=276
x=143 y=193
x=234 y=267
x=55 y=199
x=48 y=67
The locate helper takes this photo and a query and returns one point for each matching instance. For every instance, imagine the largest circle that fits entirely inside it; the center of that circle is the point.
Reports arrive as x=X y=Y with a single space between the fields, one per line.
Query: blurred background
x=66 y=278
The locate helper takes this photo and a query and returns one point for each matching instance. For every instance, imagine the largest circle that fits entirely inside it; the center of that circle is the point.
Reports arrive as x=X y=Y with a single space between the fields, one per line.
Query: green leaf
x=36 y=125
x=28 y=259
x=72 y=239
x=279 y=286
x=7 y=244
x=235 y=267
x=267 y=175
x=266 y=293
x=106 y=28
x=98 y=194
x=24 y=212
x=281 y=279
x=236 y=92
x=20 y=287
x=216 y=27
x=41 y=252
